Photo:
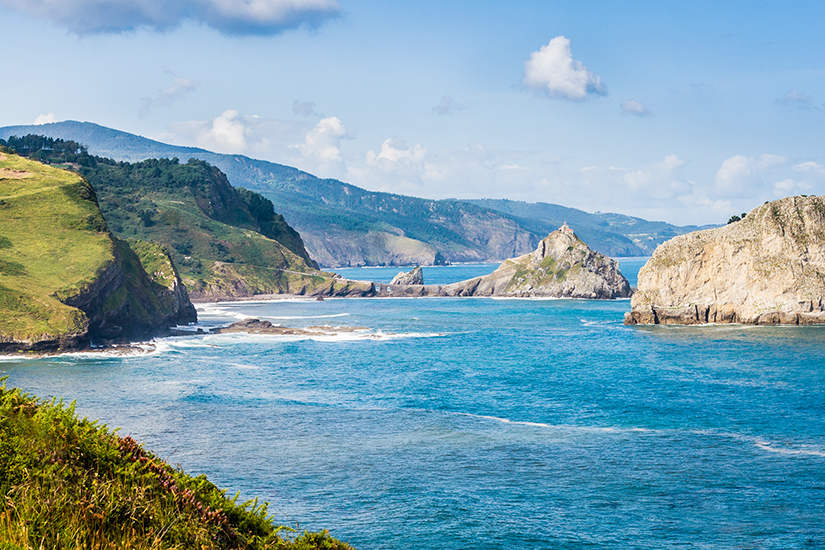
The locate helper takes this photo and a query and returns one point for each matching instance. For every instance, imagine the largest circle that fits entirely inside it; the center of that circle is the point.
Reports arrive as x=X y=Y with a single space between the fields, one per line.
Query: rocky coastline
x=766 y=269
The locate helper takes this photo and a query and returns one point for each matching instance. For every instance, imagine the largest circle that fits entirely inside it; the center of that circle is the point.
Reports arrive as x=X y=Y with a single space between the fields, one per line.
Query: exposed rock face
x=768 y=268
x=412 y=277
x=561 y=267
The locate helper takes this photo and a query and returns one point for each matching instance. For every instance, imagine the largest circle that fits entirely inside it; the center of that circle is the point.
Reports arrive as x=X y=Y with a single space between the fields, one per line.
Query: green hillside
x=343 y=224
x=63 y=279
x=69 y=483
x=225 y=241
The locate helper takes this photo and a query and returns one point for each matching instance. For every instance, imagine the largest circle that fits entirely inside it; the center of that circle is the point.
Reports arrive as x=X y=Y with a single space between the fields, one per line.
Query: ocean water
x=482 y=423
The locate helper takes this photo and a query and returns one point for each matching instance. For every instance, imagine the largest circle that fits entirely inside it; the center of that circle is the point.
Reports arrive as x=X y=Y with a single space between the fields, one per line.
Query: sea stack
x=562 y=266
x=412 y=277
x=768 y=268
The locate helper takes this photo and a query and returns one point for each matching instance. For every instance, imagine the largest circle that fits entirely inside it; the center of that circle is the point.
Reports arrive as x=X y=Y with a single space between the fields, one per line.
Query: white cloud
x=659 y=180
x=395 y=152
x=226 y=134
x=810 y=167
x=45 y=118
x=553 y=69
x=323 y=143
x=260 y=17
x=743 y=176
x=178 y=88
x=636 y=108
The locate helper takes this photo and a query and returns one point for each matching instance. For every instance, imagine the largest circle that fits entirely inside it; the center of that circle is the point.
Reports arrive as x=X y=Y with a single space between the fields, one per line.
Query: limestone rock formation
x=768 y=268
x=412 y=277
x=561 y=267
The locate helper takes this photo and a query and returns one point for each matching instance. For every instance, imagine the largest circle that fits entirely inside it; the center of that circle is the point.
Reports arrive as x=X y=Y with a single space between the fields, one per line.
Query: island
x=767 y=268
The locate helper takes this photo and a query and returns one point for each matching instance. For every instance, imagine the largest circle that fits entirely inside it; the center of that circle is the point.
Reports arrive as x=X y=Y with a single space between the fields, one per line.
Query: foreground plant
x=70 y=483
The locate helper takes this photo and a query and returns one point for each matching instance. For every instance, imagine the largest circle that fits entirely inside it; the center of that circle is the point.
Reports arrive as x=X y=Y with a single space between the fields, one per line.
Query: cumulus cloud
x=261 y=17
x=447 y=105
x=45 y=118
x=636 y=108
x=396 y=152
x=178 y=88
x=553 y=70
x=323 y=142
x=226 y=133
x=659 y=180
x=743 y=176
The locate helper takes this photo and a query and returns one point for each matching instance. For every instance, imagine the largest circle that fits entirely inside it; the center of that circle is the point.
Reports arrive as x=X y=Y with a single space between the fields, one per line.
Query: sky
x=687 y=112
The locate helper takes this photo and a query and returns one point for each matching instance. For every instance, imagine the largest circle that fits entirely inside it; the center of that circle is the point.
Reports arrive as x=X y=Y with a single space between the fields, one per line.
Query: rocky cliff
x=768 y=268
x=65 y=282
x=413 y=277
x=561 y=267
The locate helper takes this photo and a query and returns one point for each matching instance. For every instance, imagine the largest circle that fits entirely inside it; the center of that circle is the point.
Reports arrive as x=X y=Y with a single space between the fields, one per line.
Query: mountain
x=627 y=235
x=342 y=224
x=65 y=281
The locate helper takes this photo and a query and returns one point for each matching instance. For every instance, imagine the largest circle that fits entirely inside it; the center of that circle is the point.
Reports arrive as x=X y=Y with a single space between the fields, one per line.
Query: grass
x=54 y=243
x=70 y=483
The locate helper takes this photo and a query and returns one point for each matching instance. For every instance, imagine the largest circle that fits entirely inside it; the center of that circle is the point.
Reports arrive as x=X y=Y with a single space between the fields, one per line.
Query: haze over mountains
x=342 y=224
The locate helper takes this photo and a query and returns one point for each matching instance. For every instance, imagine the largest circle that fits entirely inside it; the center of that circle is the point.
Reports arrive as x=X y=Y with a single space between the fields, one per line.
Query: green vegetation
x=736 y=218
x=63 y=278
x=54 y=245
x=343 y=224
x=191 y=210
x=70 y=483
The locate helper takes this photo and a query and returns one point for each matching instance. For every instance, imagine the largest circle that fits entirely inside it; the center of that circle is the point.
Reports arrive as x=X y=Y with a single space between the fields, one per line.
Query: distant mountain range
x=343 y=225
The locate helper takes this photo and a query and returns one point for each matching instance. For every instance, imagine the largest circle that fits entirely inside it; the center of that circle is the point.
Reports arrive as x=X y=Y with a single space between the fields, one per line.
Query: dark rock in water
x=256 y=326
x=413 y=277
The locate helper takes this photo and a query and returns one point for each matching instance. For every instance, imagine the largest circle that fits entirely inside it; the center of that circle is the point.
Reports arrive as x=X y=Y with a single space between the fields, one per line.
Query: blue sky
x=687 y=112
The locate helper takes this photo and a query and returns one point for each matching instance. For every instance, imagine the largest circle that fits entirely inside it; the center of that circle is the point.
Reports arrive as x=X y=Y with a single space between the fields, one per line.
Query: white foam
x=292 y=317
x=765 y=445
x=328 y=335
x=561 y=427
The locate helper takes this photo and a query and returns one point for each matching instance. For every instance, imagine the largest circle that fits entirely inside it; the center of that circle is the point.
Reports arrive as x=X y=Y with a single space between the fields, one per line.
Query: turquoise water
x=480 y=423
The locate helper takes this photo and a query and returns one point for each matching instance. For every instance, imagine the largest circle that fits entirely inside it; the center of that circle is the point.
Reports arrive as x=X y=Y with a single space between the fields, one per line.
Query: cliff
x=768 y=268
x=224 y=240
x=562 y=266
x=65 y=282
x=413 y=277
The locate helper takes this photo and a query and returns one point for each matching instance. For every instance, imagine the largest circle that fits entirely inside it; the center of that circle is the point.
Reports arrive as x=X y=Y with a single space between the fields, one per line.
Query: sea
x=481 y=423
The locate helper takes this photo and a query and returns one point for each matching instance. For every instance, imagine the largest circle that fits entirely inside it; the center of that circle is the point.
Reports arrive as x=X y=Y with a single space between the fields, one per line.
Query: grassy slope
x=69 y=483
x=52 y=243
x=193 y=211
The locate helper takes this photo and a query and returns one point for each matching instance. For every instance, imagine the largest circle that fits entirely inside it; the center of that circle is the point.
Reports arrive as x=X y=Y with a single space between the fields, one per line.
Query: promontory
x=562 y=266
x=768 y=268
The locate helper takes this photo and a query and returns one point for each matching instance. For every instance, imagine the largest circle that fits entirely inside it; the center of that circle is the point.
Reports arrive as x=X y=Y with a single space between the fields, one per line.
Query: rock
x=561 y=267
x=768 y=268
x=256 y=326
x=413 y=277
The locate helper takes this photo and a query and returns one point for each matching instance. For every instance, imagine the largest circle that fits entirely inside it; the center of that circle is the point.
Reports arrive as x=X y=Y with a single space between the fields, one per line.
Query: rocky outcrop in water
x=768 y=268
x=412 y=277
x=561 y=267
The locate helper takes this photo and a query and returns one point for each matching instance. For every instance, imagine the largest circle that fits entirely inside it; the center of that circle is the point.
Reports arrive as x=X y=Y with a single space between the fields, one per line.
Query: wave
x=562 y=427
x=347 y=335
x=292 y=317
x=803 y=449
